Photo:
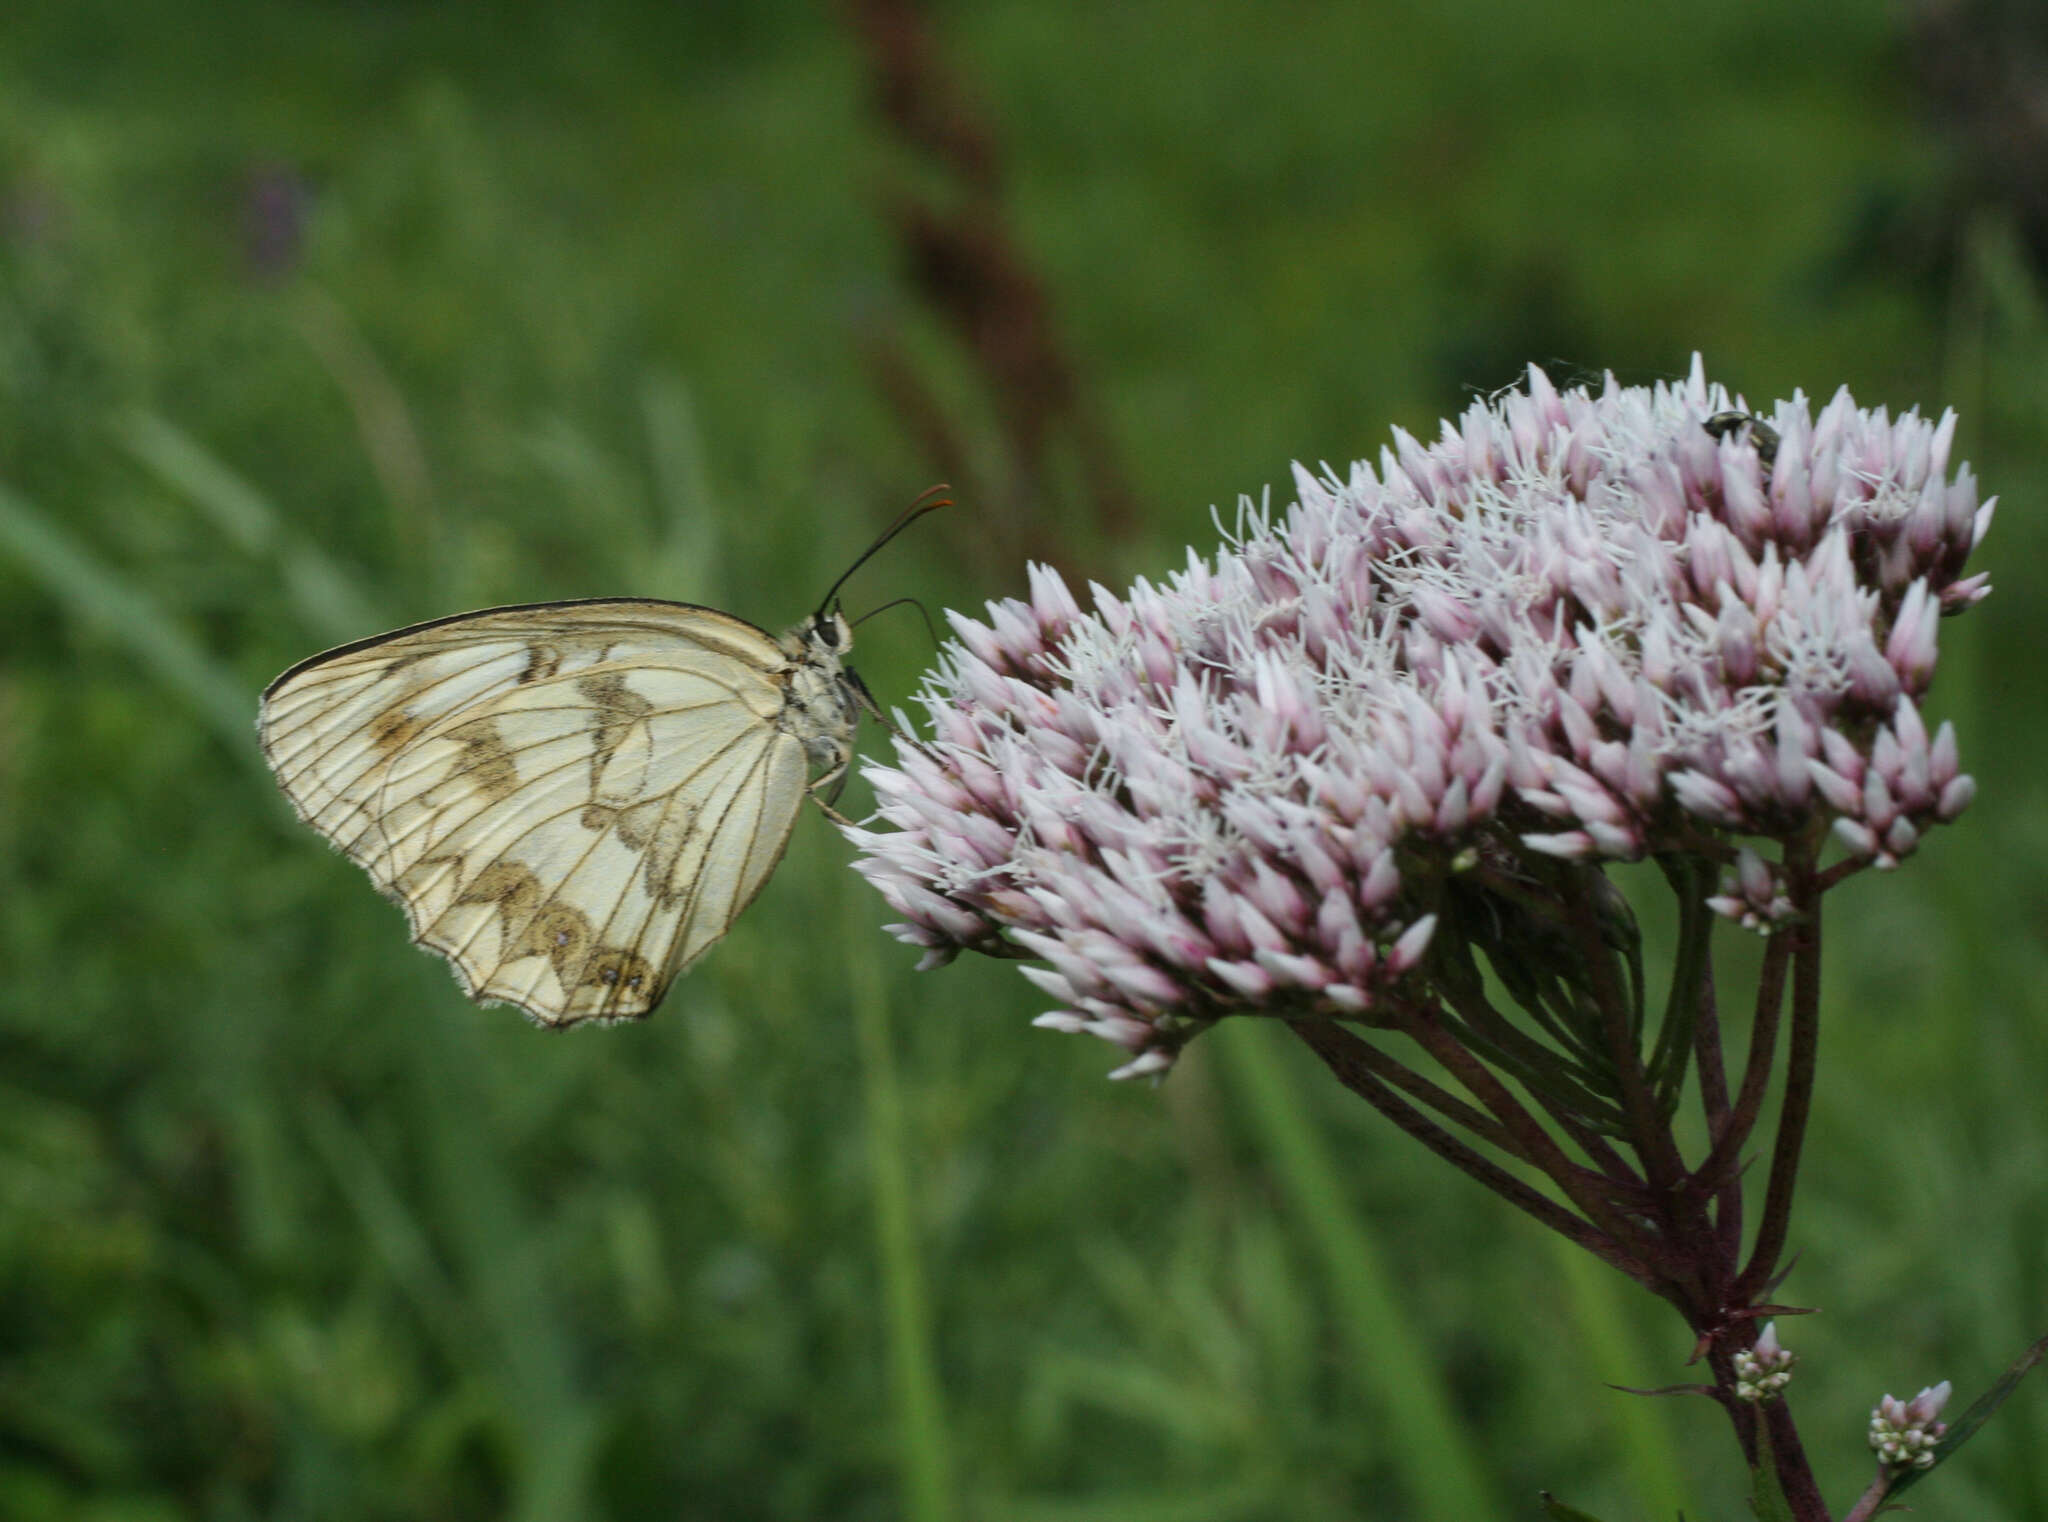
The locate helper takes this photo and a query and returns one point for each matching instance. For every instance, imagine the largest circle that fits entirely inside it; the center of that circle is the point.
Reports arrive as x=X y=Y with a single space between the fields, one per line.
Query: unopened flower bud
x=1764 y=1369
x=1904 y=1433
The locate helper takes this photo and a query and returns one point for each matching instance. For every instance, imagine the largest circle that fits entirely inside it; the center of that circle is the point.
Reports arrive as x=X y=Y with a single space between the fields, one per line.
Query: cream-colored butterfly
x=571 y=801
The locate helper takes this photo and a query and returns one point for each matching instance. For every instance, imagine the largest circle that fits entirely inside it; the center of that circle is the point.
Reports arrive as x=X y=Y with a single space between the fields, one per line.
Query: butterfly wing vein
x=571 y=803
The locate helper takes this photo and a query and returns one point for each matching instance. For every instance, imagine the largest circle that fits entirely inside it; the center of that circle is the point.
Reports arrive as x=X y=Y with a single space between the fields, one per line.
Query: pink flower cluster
x=1591 y=625
x=1905 y=1433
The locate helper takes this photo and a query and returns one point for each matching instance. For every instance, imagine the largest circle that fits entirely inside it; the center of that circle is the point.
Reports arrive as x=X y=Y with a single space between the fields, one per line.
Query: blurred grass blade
x=327 y=596
x=597 y=492
x=1557 y=1511
x=924 y=1456
x=683 y=499
x=1439 y=1468
x=1246 y=1499
x=1164 y=1400
x=498 y=1324
x=1640 y=1430
x=505 y=1270
x=98 y=594
x=382 y=419
x=391 y=1226
x=234 y=506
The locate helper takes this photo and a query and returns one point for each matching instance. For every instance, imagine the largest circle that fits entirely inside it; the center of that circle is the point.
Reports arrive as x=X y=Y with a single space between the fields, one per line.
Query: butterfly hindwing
x=570 y=801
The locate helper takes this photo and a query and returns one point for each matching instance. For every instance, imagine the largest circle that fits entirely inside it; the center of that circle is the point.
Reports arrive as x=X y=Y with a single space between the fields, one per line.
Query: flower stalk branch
x=1719 y=1168
x=1801 y=1068
x=1343 y=1054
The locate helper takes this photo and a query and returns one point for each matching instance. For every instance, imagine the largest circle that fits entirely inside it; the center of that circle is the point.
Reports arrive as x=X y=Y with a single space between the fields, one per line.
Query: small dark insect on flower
x=1762 y=436
x=1575 y=628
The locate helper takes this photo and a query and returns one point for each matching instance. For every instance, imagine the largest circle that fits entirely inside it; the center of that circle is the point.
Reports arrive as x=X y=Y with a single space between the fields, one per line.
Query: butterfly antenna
x=929 y=627
x=924 y=503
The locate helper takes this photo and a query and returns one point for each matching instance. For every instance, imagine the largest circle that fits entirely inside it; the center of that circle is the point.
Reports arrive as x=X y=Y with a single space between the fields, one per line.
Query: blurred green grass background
x=321 y=317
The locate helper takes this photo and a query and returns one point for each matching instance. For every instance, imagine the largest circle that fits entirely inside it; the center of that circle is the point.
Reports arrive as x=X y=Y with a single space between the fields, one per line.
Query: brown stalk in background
x=967 y=267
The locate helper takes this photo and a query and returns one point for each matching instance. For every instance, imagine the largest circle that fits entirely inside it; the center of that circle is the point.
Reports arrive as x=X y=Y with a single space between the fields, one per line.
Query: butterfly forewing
x=570 y=801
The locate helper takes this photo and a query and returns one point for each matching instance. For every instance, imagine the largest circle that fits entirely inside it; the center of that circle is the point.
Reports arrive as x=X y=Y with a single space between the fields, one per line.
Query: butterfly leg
x=826 y=790
x=866 y=699
x=867 y=702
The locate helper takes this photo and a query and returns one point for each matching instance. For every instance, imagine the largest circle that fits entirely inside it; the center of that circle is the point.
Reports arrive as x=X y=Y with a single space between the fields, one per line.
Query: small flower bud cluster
x=1904 y=1432
x=1752 y=894
x=1580 y=624
x=1763 y=1370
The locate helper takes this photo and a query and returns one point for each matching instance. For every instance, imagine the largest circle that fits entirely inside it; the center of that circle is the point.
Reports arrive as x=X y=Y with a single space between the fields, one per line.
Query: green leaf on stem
x=1768 y=1501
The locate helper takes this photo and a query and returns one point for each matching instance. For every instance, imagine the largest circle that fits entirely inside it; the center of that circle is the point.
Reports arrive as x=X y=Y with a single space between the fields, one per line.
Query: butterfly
x=571 y=801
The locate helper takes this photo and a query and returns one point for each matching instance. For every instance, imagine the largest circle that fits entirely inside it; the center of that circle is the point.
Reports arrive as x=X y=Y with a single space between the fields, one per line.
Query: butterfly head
x=825 y=637
x=822 y=700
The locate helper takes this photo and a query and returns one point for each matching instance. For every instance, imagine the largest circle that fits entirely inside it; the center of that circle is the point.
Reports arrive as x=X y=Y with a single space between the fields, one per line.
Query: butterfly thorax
x=820 y=705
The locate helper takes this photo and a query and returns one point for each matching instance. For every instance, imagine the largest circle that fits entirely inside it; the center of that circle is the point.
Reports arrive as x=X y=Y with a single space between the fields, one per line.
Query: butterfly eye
x=827 y=632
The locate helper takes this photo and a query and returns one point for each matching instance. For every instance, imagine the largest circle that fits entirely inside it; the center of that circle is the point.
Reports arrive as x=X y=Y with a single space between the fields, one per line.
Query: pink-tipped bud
x=1905 y=1434
x=1761 y=1371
